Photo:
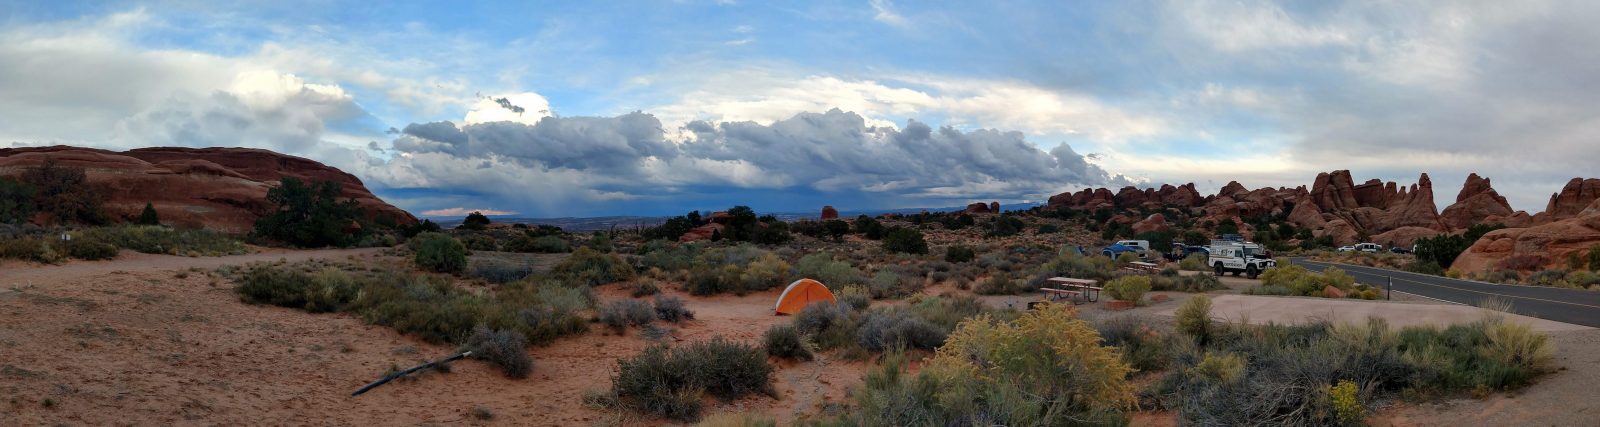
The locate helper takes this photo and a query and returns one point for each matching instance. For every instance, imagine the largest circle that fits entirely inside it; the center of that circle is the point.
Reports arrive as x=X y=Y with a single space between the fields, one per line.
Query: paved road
x=1574 y=306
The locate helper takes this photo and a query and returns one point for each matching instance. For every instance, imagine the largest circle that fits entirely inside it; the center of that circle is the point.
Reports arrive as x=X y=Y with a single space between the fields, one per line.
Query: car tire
x=1219 y=269
x=1108 y=254
x=1252 y=273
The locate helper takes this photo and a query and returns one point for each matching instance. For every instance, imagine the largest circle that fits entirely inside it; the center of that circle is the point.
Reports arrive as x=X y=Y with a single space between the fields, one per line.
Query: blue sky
x=660 y=107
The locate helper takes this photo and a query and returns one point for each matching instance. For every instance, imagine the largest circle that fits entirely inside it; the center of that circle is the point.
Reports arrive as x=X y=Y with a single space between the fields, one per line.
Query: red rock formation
x=1573 y=198
x=1374 y=194
x=978 y=208
x=1476 y=204
x=1550 y=242
x=1415 y=209
x=1155 y=222
x=1404 y=236
x=1305 y=213
x=218 y=188
x=828 y=212
x=994 y=207
x=701 y=233
x=1332 y=191
x=1183 y=195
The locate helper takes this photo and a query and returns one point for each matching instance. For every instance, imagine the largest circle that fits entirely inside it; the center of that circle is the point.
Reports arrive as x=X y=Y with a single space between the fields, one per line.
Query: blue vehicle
x=1140 y=248
x=1181 y=251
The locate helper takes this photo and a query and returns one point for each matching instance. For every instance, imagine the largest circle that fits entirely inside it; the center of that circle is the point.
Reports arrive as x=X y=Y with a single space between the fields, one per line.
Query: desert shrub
x=1503 y=276
x=1346 y=402
x=868 y=227
x=819 y=317
x=28 y=249
x=883 y=331
x=669 y=258
x=1296 y=280
x=737 y=419
x=1126 y=258
x=1225 y=369
x=478 y=242
x=1141 y=346
x=163 y=240
x=785 y=341
x=89 y=249
x=905 y=240
x=439 y=252
x=1193 y=318
x=600 y=242
x=475 y=221
x=16 y=201
x=1594 y=258
x=885 y=284
x=1045 y=368
x=504 y=349
x=671 y=309
x=1583 y=279
x=1553 y=278
x=589 y=267
x=148 y=215
x=822 y=267
x=310 y=215
x=541 y=244
x=854 y=297
x=1128 y=288
x=1194 y=262
x=669 y=382
x=498 y=271
x=621 y=314
x=998 y=284
x=62 y=192
x=1425 y=266
x=763 y=273
x=644 y=288
x=1095 y=267
x=1198 y=283
x=959 y=253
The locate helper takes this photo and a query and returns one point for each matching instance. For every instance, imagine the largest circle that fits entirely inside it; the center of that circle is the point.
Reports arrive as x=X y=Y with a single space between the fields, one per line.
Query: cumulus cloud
x=630 y=157
x=465 y=211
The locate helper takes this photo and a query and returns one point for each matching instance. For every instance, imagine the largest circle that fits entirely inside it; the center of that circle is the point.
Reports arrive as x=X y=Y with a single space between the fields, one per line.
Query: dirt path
x=1563 y=398
x=142 y=340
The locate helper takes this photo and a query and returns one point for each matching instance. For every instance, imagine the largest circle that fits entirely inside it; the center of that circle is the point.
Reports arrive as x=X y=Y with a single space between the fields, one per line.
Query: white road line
x=1480 y=292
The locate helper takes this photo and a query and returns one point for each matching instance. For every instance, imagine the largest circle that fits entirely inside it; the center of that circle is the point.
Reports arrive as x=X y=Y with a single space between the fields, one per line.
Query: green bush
x=28 y=249
x=1594 y=258
x=668 y=382
x=1194 y=262
x=589 y=267
x=497 y=270
x=504 y=349
x=1128 y=288
x=998 y=284
x=63 y=193
x=16 y=201
x=785 y=341
x=821 y=267
x=959 y=253
x=311 y=215
x=1141 y=346
x=148 y=216
x=162 y=240
x=541 y=244
x=439 y=253
x=89 y=249
x=475 y=221
x=854 y=297
x=905 y=240
x=1194 y=317
x=1045 y=368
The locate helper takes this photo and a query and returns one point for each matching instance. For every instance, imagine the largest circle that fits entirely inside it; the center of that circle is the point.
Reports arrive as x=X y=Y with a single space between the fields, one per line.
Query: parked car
x=1227 y=256
x=1399 y=250
x=1347 y=249
x=1369 y=247
x=1181 y=251
x=1139 y=248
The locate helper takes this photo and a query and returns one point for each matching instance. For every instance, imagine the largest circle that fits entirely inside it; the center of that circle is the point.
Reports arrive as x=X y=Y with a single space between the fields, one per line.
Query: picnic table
x=1141 y=266
x=1077 y=290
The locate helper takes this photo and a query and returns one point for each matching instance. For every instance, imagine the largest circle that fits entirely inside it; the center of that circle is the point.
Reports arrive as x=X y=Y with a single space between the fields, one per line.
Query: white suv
x=1369 y=247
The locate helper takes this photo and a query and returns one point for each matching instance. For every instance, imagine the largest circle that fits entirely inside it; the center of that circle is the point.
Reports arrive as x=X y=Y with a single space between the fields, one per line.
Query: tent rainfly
x=801 y=293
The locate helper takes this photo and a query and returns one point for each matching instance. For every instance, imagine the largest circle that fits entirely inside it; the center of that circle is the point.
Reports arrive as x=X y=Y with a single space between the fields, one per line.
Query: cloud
x=464 y=212
x=884 y=12
x=629 y=157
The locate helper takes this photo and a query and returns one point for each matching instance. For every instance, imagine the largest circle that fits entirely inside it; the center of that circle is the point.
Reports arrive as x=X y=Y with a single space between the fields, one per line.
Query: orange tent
x=801 y=293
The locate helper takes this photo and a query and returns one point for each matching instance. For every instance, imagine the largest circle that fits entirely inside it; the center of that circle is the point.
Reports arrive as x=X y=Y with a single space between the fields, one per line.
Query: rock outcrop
x=1334 y=191
x=1476 y=204
x=978 y=208
x=994 y=207
x=828 y=212
x=1547 y=245
x=1155 y=222
x=1577 y=195
x=217 y=188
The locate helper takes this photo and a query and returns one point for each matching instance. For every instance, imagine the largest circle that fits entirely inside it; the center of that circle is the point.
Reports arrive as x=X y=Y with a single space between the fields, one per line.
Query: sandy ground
x=1566 y=397
x=143 y=340
x=1259 y=310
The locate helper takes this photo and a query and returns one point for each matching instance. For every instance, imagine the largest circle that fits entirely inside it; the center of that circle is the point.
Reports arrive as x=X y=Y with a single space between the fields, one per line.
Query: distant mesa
x=828 y=212
x=983 y=208
x=218 y=188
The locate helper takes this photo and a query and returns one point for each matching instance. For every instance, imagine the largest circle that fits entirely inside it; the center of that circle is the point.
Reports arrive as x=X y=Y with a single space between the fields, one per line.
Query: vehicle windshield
x=1254 y=252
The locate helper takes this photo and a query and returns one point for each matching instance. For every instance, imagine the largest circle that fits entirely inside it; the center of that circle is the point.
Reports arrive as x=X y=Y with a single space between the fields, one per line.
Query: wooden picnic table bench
x=1083 y=289
x=1141 y=266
